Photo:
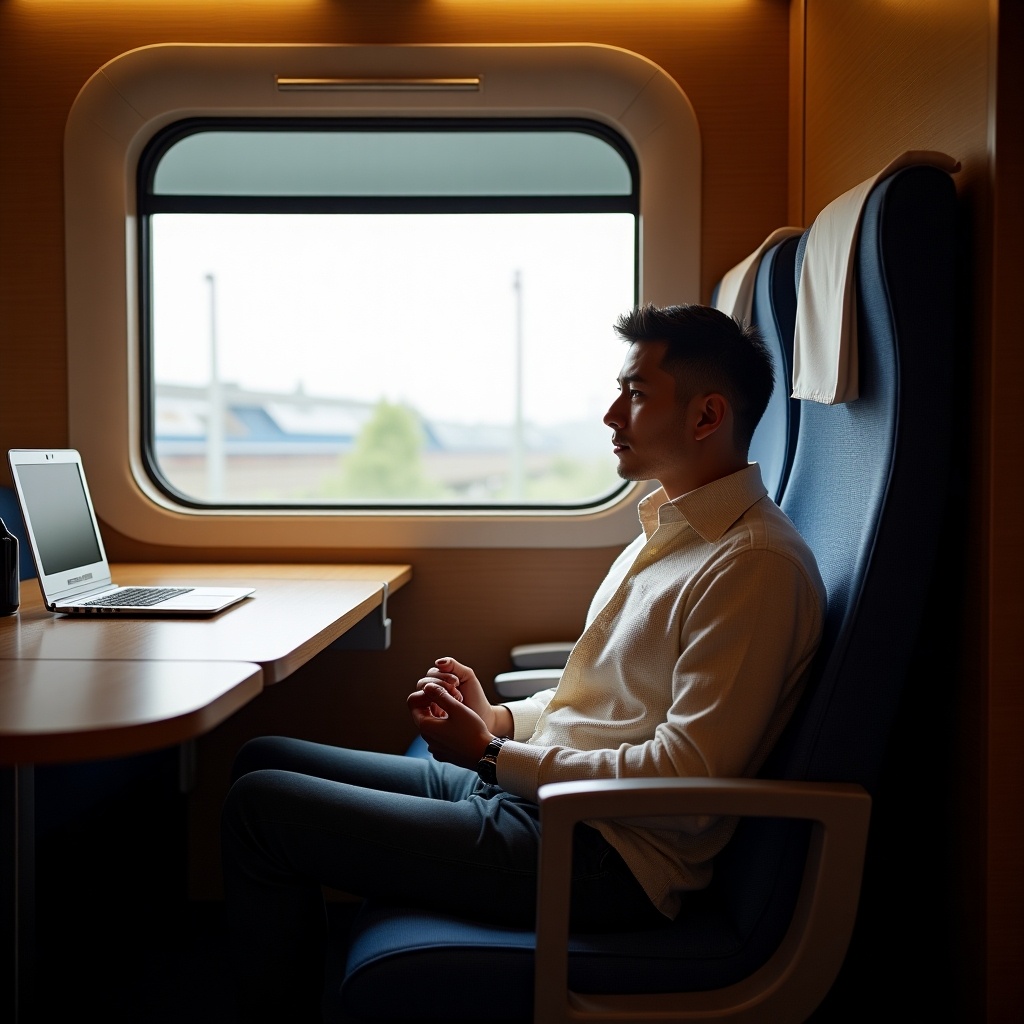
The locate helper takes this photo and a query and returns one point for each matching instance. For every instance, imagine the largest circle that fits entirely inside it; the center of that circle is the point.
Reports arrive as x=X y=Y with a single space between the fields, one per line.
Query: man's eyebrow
x=631 y=378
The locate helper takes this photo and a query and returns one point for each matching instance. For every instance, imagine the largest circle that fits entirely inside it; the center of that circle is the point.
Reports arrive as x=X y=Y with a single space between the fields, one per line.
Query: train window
x=402 y=312
x=362 y=236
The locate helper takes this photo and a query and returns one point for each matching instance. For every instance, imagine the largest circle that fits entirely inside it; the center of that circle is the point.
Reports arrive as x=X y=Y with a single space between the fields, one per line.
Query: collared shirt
x=693 y=657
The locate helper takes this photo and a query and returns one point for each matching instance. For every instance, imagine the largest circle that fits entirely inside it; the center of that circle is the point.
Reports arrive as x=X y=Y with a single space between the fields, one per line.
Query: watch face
x=487 y=766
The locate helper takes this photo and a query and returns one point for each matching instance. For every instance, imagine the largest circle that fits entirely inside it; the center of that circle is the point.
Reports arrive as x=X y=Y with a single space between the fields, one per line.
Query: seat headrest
x=825 y=363
x=735 y=292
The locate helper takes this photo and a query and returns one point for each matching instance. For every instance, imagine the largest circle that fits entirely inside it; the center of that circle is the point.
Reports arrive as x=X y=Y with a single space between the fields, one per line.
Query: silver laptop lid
x=60 y=522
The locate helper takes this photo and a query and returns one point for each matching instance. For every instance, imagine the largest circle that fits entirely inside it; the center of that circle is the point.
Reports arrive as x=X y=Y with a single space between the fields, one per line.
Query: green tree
x=387 y=458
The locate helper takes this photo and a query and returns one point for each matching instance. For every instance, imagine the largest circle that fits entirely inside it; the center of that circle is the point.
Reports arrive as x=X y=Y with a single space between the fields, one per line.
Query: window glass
x=420 y=163
x=403 y=317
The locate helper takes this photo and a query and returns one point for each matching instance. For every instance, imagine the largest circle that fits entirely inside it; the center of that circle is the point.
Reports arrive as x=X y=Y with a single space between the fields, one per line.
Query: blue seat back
x=774 y=312
x=870 y=480
x=868 y=491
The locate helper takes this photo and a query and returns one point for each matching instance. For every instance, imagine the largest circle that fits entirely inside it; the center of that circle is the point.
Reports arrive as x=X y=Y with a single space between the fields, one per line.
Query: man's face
x=649 y=435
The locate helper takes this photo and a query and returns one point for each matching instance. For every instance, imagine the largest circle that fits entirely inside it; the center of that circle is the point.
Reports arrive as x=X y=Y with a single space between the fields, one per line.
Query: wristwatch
x=487 y=766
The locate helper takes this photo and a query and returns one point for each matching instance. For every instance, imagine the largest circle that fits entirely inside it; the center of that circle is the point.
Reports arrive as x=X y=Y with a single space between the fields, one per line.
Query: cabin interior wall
x=1003 y=792
x=797 y=102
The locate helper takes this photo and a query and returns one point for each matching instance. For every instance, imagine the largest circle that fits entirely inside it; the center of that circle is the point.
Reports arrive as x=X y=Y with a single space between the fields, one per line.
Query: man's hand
x=462 y=683
x=454 y=731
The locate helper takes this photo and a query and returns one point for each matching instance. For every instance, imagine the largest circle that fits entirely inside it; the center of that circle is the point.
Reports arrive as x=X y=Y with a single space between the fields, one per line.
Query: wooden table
x=81 y=688
x=296 y=611
x=61 y=711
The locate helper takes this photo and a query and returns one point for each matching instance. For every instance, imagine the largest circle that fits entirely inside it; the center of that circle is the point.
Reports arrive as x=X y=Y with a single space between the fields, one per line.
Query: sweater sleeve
x=526 y=712
x=745 y=638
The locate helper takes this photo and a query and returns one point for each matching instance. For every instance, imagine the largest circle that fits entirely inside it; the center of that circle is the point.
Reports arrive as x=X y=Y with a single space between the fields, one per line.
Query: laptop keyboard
x=136 y=597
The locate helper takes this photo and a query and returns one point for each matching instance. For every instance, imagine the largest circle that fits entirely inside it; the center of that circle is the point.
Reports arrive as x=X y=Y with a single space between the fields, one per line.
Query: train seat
x=774 y=312
x=868 y=489
x=772 y=308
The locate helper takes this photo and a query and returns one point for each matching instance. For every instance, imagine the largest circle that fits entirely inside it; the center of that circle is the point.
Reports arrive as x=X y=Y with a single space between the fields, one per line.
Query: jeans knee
x=253 y=755
x=233 y=809
x=247 y=801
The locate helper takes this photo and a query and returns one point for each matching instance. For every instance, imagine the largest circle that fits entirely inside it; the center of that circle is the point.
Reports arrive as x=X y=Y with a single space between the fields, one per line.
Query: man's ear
x=712 y=410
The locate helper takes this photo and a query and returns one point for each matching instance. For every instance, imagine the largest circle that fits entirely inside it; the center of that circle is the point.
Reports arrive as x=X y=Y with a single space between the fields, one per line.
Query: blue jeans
x=408 y=830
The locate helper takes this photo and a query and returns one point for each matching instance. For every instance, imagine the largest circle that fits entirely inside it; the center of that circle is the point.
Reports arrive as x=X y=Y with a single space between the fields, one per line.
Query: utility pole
x=517 y=482
x=215 y=412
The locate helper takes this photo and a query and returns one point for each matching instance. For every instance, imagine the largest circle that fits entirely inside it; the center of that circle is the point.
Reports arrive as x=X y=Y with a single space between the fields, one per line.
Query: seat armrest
x=526 y=682
x=537 y=667
x=553 y=655
x=795 y=979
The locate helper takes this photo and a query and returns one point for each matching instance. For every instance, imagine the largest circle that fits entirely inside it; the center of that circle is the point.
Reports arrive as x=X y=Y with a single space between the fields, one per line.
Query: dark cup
x=10 y=588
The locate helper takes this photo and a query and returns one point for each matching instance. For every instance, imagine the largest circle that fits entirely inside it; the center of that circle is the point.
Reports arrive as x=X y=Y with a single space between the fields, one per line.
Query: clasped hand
x=452 y=713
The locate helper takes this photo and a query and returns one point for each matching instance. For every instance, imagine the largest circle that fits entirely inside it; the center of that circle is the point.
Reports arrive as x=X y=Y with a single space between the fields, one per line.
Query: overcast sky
x=415 y=309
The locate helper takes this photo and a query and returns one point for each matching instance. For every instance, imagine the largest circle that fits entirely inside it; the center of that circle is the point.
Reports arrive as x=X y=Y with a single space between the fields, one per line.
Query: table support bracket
x=17 y=872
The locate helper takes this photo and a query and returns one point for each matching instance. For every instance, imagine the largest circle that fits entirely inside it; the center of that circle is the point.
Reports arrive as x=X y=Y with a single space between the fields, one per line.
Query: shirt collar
x=710 y=509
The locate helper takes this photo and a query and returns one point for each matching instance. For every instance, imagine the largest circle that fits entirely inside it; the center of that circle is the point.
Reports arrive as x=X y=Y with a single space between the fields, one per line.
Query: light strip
x=378 y=84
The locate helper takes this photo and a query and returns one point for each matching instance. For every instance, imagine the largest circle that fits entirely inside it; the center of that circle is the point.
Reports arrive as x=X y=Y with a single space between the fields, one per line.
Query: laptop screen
x=56 y=506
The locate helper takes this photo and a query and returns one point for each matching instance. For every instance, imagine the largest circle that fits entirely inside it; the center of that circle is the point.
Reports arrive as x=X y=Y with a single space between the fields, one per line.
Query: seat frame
x=801 y=971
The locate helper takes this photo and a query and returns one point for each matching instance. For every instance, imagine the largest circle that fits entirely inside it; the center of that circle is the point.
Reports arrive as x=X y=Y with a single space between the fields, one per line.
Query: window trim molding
x=136 y=95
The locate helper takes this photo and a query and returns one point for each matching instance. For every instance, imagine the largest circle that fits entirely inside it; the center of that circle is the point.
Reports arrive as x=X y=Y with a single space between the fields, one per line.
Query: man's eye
x=633 y=393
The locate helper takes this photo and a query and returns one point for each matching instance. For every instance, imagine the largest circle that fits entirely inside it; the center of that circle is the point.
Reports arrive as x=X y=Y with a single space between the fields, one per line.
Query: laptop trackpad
x=203 y=600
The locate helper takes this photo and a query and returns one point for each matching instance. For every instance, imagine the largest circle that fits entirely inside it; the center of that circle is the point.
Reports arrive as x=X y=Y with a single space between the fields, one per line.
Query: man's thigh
x=473 y=854
x=394 y=773
x=410 y=830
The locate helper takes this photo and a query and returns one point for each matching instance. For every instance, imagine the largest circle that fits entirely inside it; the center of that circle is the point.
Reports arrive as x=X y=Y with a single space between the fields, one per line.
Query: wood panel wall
x=1003 y=791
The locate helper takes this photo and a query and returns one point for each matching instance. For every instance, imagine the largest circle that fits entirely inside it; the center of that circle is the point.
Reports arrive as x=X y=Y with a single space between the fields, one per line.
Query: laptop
x=70 y=560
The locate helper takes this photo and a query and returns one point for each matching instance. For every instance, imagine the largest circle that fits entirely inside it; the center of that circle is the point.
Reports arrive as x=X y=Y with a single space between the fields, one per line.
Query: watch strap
x=487 y=766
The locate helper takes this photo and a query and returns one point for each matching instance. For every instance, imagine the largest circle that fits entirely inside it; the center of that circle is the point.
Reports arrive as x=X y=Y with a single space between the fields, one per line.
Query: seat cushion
x=447 y=964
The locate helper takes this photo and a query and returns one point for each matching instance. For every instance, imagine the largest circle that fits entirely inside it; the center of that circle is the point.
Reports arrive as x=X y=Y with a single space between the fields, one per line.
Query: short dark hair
x=709 y=351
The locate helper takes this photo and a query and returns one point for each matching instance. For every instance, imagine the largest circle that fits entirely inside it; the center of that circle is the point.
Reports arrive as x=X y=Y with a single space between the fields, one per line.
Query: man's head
x=706 y=350
x=693 y=387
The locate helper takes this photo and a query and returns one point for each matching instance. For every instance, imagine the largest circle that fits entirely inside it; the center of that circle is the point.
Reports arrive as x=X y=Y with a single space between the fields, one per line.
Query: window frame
x=150 y=203
x=140 y=93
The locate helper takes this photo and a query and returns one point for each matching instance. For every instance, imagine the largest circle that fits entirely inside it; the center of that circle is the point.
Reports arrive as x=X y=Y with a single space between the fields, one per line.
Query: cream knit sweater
x=692 y=660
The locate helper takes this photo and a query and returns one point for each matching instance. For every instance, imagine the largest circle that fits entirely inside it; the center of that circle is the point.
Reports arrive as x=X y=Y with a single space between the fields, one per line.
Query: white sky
x=418 y=309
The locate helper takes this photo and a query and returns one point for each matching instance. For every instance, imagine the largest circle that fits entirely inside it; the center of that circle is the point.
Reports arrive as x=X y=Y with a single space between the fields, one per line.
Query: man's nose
x=614 y=416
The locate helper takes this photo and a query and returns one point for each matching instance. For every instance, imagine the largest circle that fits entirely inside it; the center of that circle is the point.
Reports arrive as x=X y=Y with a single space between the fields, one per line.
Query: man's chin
x=627 y=473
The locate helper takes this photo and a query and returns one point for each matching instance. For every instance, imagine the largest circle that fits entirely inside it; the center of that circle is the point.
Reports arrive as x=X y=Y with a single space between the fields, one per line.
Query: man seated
x=693 y=657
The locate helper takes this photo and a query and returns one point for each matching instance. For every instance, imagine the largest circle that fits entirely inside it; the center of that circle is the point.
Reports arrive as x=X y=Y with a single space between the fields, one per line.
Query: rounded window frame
x=138 y=95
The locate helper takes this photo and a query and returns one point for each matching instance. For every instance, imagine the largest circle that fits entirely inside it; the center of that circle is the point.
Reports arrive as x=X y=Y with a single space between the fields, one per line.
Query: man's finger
x=451 y=684
x=440 y=694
